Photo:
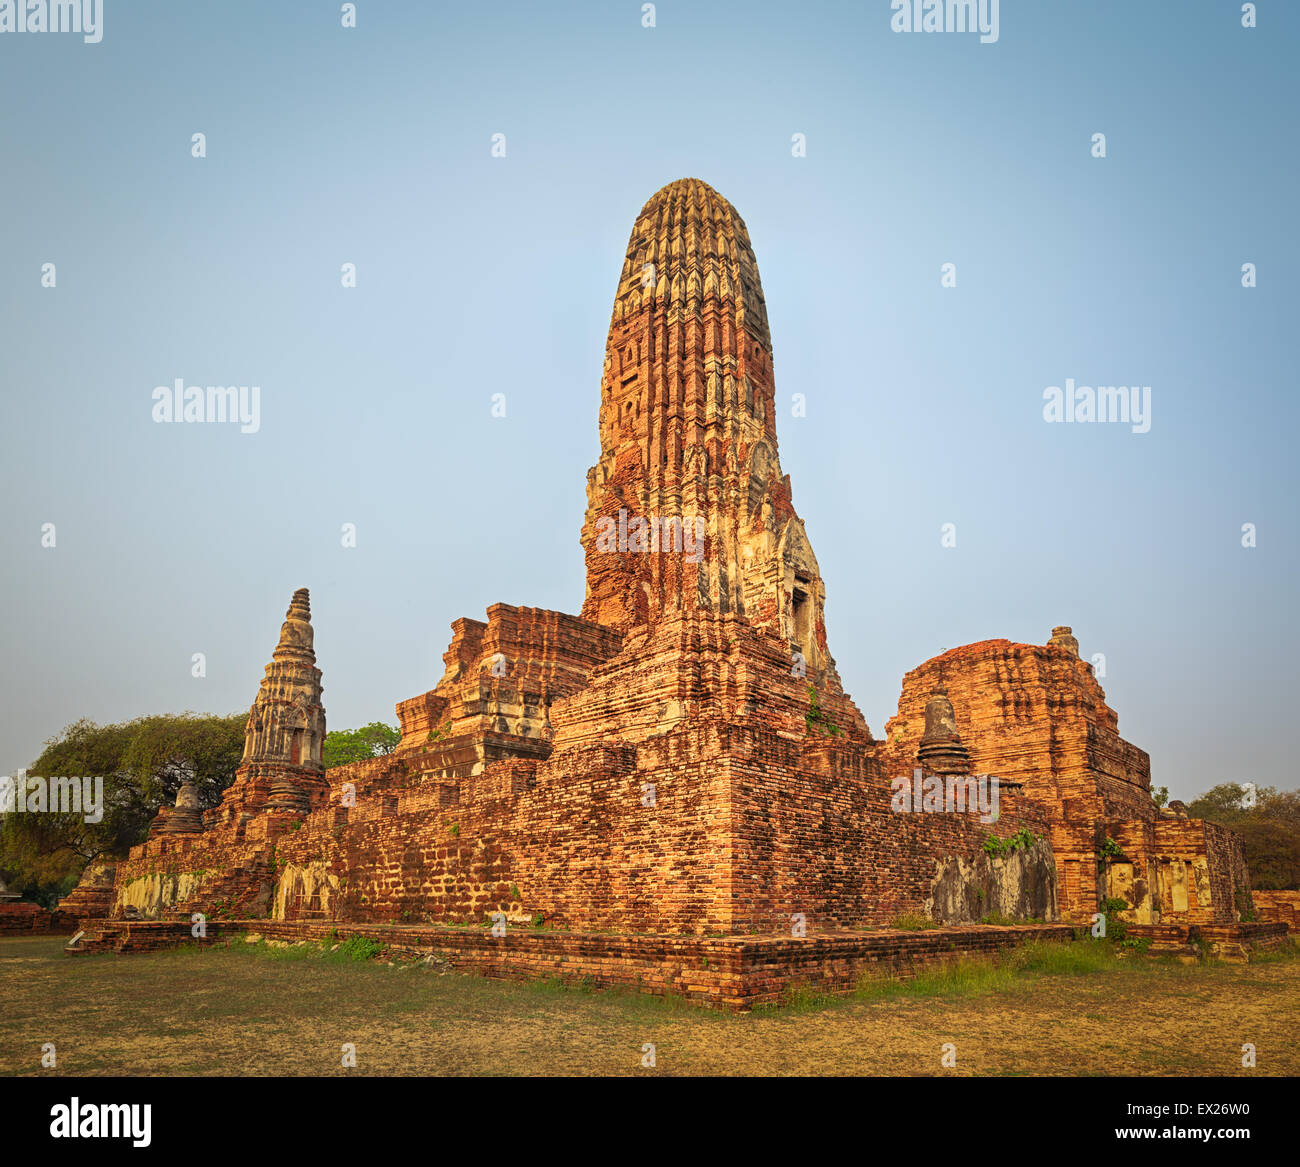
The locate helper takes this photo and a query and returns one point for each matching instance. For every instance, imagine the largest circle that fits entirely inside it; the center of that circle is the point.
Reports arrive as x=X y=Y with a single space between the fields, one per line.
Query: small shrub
x=358 y=948
x=1002 y=921
x=816 y=718
x=1116 y=926
x=914 y=921
x=1111 y=850
x=1023 y=839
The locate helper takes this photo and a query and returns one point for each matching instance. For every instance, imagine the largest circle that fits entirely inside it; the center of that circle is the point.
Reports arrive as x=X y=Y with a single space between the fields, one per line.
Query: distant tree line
x=1270 y=830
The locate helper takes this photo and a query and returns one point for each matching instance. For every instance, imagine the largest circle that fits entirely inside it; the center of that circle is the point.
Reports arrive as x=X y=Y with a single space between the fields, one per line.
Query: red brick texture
x=681 y=759
x=1279 y=906
x=23 y=919
x=1035 y=714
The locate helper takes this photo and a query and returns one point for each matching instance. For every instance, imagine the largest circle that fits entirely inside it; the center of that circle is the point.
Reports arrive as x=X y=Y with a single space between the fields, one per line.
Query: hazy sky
x=479 y=275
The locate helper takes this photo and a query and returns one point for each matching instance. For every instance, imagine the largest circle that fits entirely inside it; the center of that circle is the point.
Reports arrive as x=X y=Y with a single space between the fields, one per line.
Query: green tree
x=1223 y=803
x=168 y=750
x=342 y=746
x=143 y=764
x=1270 y=831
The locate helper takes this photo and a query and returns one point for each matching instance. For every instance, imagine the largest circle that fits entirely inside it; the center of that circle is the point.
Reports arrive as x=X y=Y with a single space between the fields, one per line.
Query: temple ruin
x=673 y=786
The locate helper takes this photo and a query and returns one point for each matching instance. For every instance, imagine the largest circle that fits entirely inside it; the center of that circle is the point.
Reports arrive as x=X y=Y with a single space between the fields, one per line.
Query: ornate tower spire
x=282 y=766
x=687 y=508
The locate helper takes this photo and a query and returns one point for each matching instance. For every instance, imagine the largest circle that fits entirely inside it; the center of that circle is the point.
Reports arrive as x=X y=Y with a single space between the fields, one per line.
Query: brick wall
x=815 y=834
x=1283 y=906
x=747 y=828
x=24 y=919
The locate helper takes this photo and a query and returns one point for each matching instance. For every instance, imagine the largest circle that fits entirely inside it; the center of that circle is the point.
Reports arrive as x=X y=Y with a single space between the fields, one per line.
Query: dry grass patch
x=248 y=1010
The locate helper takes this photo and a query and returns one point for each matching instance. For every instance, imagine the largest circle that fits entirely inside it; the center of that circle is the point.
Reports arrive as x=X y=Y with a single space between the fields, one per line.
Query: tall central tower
x=688 y=440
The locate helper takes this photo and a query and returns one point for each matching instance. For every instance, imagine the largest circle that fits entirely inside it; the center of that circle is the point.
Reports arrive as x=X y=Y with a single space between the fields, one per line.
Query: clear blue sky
x=481 y=275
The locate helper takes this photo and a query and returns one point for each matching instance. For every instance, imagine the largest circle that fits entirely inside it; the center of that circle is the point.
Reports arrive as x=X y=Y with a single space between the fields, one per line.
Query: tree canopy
x=143 y=764
x=342 y=746
x=1270 y=830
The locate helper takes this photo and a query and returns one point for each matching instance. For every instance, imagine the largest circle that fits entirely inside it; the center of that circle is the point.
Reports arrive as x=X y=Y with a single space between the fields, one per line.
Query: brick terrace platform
x=1276 y=906
x=727 y=972
x=1228 y=941
x=19 y=918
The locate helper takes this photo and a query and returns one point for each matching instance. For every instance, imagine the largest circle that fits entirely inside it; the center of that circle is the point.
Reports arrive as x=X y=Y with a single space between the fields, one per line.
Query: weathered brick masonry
x=25 y=919
x=1225 y=941
x=681 y=759
x=1279 y=906
x=1035 y=714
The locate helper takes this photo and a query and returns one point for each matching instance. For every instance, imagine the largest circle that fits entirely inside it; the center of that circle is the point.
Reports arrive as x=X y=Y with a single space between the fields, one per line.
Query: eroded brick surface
x=1279 y=906
x=680 y=759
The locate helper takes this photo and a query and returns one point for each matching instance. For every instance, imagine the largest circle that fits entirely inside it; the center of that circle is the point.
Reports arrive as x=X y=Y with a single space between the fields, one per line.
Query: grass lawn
x=1060 y=1009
